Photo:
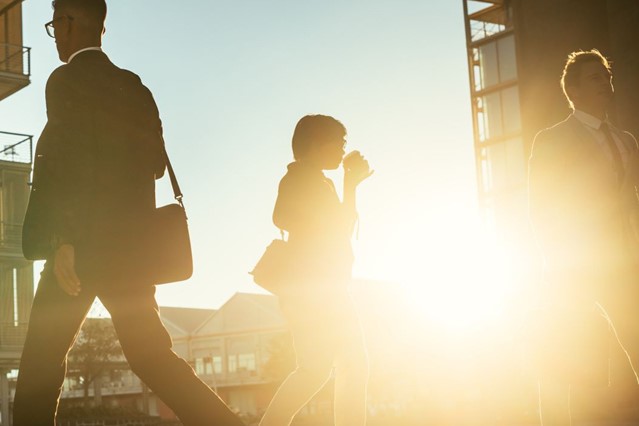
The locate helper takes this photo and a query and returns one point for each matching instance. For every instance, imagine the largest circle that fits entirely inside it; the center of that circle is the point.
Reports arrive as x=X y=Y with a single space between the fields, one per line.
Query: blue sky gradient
x=231 y=79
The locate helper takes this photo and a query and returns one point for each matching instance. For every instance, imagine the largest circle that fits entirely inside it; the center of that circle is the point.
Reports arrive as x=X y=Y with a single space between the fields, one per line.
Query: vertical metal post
x=471 y=81
x=4 y=398
x=7 y=53
x=28 y=50
x=145 y=399
x=213 y=371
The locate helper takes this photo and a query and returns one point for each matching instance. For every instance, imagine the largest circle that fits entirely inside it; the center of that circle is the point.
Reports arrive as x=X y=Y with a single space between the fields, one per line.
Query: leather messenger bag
x=169 y=245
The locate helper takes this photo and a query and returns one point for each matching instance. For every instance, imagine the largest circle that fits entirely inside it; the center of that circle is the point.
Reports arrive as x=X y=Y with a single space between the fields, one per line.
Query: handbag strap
x=177 y=192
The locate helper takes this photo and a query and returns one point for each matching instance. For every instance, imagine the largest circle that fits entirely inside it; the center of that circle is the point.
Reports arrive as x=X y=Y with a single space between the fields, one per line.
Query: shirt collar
x=589 y=120
x=99 y=49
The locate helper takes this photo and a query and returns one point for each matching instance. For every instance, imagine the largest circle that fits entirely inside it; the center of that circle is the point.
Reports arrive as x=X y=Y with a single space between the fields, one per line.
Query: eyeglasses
x=51 y=29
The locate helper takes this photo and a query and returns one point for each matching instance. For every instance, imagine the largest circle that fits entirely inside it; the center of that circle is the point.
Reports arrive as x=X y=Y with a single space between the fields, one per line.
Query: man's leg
x=55 y=320
x=147 y=347
x=554 y=403
x=624 y=354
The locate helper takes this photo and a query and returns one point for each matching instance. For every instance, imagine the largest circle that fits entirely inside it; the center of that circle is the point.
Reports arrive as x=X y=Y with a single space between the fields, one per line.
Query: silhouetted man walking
x=93 y=187
x=582 y=203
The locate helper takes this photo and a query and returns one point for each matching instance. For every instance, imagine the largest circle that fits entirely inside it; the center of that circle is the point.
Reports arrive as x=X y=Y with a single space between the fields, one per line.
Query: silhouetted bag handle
x=277 y=267
x=169 y=243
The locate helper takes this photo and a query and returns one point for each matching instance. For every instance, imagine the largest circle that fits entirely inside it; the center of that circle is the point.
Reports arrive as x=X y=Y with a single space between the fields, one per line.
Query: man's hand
x=64 y=270
x=356 y=169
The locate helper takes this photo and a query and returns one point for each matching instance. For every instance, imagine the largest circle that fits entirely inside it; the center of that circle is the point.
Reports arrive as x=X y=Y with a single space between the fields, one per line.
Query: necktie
x=614 y=151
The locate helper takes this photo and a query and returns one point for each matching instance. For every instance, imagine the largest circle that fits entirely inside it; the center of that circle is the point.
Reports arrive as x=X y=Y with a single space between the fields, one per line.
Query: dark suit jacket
x=95 y=166
x=579 y=211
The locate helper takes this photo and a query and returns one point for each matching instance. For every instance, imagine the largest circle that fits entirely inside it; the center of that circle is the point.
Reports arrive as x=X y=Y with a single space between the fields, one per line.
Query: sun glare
x=467 y=286
x=455 y=279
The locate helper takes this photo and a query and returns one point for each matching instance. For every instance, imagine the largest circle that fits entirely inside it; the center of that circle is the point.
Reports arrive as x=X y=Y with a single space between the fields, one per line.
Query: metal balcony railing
x=15 y=68
x=10 y=236
x=16 y=147
x=15 y=59
x=12 y=335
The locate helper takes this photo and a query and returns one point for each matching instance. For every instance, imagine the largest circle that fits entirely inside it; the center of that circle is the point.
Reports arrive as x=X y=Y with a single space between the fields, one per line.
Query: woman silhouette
x=318 y=308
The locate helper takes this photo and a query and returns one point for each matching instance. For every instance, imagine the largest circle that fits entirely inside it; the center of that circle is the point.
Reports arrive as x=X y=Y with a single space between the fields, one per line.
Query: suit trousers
x=54 y=324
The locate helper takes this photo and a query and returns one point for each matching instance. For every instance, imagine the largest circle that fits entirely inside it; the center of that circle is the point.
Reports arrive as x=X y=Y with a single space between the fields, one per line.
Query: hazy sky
x=231 y=79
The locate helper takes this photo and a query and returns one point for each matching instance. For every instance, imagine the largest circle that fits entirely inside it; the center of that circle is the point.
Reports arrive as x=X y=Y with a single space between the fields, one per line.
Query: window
x=498 y=114
x=494 y=63
x=503 y=165
x=487 y=68
x=490 y=123
x=511 y=117
x=232 y=363
x=217 y=364
x=507 y=58
x=199 y=366
x=207 y=365
x=247 y=361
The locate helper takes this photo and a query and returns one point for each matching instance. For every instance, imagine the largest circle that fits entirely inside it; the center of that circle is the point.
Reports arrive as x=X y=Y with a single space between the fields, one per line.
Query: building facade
x=516 y=51
x=16 y=273
x=230 y=349
x=243 y=350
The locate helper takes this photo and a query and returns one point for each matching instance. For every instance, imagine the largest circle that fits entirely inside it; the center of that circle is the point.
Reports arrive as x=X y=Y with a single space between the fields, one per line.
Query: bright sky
x=231 y=79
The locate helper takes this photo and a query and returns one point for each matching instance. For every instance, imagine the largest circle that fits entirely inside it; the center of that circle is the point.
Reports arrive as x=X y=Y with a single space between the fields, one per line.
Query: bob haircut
x=315 y=129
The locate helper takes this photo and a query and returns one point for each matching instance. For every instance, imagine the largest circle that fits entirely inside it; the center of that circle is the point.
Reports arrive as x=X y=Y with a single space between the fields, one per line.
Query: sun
x=452 y=276
x=466 y=286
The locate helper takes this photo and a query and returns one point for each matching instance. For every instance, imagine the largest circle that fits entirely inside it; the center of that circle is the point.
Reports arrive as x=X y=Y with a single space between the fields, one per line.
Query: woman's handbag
x=276 y=268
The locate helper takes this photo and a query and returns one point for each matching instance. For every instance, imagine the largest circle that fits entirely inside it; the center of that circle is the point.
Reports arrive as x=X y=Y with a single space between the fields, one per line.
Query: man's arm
x=70 y=157
x=546 y=201
x=69 y=167
x=630 y=190
x=155 y=137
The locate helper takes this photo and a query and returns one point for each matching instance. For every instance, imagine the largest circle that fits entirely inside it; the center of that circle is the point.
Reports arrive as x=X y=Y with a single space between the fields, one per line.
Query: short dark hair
x=95 y=10
x=574 y=64
x=312 y=129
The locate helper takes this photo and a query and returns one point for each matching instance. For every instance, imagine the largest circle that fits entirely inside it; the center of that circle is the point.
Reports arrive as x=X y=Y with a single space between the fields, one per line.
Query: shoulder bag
x=169 y=245
x=277 y=266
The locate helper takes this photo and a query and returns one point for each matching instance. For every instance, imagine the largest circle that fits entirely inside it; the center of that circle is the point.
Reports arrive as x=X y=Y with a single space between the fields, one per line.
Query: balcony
x=486 y=18
x=15 y=68
x=16 y=152
x=16 y=148
x=12 y=337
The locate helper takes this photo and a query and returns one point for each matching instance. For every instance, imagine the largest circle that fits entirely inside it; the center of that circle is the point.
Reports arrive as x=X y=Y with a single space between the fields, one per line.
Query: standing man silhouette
x=582 y=198
x=93 y=187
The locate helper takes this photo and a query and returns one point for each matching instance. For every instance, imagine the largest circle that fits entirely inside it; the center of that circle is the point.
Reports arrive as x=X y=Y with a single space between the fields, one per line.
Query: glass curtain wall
x=499 y=148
